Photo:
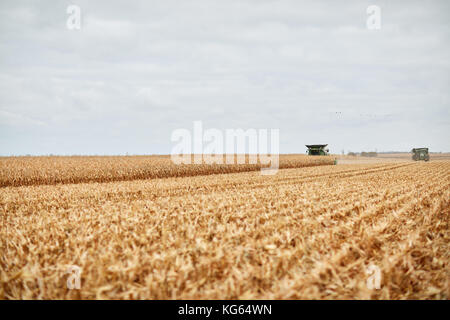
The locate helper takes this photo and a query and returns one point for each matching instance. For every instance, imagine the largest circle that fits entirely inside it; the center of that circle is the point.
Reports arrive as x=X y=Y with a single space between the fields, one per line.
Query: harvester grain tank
x=420 y=154
x=317 y=149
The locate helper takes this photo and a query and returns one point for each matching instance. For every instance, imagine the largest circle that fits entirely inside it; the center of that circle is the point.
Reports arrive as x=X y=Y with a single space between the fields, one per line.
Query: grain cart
x=317 y=149
x=420 y=154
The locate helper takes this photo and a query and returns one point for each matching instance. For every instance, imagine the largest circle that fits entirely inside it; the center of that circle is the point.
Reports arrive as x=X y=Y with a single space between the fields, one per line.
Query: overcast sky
x=137 y=70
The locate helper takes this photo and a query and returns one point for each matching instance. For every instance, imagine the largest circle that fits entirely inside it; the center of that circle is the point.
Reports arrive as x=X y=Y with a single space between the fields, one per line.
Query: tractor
x=317 y=150
x=420 y=154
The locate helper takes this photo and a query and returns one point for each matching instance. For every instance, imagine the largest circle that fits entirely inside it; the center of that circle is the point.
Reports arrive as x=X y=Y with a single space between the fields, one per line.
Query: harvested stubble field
x=408 y=156
x=388 y=157
x=303 y=233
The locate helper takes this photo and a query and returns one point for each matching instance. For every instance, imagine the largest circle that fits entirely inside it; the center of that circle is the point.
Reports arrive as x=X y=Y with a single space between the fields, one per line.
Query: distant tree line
x=369 y=154
x=364 y=154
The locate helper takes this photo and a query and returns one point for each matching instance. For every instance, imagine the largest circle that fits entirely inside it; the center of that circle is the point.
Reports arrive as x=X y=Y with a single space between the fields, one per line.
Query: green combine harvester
x=420 y=154
x=317 y=149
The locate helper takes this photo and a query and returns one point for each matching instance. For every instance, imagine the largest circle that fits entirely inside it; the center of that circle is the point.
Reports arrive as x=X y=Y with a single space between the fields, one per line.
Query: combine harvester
x=420 y=154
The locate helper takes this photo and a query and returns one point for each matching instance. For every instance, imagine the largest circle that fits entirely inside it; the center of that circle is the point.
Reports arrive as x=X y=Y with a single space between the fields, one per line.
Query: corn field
x=23 y=171
x=312 y=232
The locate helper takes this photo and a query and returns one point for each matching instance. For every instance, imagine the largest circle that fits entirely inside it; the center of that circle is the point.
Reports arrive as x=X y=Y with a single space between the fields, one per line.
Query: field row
x=303 y=233
x=21 y=171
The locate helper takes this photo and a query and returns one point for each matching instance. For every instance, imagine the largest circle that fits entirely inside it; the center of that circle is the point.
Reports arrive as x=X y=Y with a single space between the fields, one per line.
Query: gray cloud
x=138 y=70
